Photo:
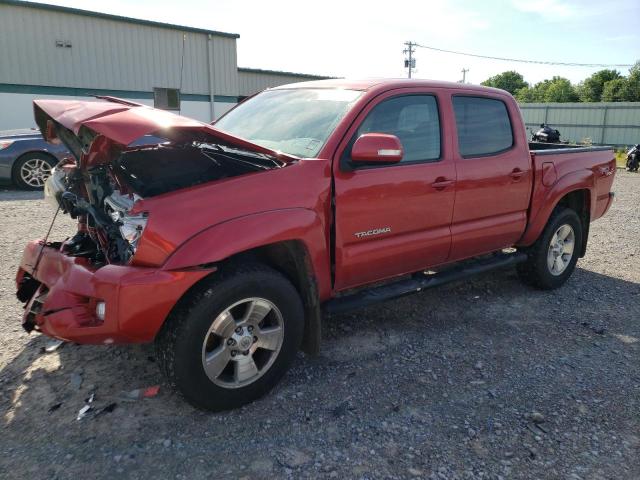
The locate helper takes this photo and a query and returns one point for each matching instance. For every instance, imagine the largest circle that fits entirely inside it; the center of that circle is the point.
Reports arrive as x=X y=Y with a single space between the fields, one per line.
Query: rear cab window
x=483 y=125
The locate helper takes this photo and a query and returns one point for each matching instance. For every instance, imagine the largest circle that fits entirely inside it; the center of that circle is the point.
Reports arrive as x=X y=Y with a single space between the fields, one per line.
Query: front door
x=394 y=219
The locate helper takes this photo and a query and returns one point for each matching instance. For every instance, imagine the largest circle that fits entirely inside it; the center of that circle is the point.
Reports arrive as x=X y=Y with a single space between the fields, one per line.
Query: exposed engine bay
x=102 y=197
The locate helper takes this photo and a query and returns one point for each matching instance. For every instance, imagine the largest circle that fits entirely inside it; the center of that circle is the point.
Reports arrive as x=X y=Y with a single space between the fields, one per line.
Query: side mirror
x=377 y=148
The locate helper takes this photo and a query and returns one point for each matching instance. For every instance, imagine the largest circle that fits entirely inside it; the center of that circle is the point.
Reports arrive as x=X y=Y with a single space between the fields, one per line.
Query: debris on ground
x=52 y=346
x=87 y=407
x=140 y=393
x=537 y=417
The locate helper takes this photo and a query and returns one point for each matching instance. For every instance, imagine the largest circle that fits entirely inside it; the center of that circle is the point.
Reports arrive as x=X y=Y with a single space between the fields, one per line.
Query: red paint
x=388 y=220
x=377 y=148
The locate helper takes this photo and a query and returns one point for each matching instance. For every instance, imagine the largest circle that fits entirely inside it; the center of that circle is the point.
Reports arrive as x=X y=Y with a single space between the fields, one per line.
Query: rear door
x=394 y=219
x=494 y=176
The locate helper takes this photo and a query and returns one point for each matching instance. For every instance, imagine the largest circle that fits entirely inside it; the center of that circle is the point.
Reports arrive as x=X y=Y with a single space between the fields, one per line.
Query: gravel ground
x=480 y=379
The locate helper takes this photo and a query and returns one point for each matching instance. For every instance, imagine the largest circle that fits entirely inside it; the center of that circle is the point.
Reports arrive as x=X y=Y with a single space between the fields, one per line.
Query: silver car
x=26 y=159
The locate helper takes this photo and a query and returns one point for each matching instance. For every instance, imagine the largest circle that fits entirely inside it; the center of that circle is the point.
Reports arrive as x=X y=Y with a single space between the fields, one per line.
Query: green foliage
x=591 y=89
x=558 y=89
x=615 y=90
x=510 y=81
x=602 y=86
x=624 y=89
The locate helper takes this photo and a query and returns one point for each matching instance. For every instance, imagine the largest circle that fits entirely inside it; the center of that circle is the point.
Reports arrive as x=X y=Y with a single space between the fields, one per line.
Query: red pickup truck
x=225 y=244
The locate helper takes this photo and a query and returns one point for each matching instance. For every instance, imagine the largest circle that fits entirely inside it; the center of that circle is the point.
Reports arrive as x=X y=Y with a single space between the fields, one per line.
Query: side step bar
x=420 y=281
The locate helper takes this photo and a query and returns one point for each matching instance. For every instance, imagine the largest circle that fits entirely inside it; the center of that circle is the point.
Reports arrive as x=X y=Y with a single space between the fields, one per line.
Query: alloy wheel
x=242 y=342
x=561 y=249
x=34 y=172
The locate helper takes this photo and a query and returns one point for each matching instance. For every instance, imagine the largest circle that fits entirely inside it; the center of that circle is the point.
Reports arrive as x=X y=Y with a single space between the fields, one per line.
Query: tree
x=510 y=81
x=615 y=90
x=558 y=89
x=633 y=84
x=591 y=89
x=623 y=89
x=526 y=95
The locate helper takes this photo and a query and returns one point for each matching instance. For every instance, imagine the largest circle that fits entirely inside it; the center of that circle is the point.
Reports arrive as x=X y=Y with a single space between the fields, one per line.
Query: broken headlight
x=54 y=187
x=130 y=226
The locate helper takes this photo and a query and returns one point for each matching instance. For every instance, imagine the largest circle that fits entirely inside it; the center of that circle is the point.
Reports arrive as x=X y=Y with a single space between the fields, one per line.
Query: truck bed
x=562 y=167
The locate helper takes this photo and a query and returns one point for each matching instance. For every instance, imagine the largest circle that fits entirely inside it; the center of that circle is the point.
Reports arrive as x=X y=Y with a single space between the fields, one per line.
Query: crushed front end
x=99 y=286
x=68 y=297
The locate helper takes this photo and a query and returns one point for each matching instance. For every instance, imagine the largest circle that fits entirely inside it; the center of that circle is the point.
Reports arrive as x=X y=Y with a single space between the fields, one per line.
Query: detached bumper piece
x=67 y=298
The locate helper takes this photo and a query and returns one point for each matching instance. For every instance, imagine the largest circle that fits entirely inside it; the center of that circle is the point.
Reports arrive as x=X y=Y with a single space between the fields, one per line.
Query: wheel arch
x=290 y=258
x=290 y=241
x=574 y=191
x=580 y=202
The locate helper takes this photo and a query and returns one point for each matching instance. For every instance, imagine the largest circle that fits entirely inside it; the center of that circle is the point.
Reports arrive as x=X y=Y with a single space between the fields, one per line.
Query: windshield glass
x=295 y=121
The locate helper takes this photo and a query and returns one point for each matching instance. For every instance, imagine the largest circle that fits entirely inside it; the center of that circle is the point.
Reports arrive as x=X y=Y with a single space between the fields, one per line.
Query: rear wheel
x=552 y=258
x=31 y=170
x=232 y=341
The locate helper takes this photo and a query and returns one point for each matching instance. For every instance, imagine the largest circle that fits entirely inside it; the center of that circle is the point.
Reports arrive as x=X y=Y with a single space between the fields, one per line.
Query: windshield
x=296 y=121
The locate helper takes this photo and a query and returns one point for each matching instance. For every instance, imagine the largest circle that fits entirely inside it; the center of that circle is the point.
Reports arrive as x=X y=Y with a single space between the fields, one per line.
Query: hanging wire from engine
x=44 y=242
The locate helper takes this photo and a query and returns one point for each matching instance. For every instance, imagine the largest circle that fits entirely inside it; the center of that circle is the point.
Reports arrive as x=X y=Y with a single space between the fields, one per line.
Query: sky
x=365 y=38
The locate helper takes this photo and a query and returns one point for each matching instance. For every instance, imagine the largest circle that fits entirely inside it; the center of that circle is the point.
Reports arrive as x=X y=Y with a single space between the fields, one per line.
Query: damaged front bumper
x=67 y=298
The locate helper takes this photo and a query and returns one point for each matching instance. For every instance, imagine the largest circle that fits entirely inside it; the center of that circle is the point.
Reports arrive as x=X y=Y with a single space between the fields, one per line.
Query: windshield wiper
x=240 y=157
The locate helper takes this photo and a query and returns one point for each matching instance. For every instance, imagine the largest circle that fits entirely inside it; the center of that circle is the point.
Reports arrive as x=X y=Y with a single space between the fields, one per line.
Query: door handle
x=441 y=183
x=516 y=174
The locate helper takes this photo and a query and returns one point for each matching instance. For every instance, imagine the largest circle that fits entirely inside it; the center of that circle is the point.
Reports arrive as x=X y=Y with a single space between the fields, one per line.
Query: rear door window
x=483 y=125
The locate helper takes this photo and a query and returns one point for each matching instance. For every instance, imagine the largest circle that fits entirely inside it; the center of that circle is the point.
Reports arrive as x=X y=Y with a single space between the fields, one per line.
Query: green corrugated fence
x=605 y=123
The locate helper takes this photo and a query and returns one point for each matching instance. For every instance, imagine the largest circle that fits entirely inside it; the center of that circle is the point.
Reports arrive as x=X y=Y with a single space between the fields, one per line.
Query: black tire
x=180 y=344
x=17 y=170
x=535 y=270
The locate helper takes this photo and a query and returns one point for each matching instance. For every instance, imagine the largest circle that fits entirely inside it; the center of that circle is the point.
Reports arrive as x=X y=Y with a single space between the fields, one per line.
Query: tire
x=204 y=329
x=30 y=171
x=542 y=269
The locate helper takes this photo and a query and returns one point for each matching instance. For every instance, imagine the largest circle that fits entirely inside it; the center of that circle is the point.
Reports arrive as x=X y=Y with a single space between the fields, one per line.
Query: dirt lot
x=483 y=379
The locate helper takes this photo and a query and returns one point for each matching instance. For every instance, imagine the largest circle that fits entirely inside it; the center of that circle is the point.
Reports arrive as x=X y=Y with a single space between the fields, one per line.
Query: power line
x=539 y=62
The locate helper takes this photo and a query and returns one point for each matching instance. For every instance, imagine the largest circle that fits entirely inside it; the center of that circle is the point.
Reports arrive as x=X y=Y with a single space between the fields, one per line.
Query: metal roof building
x=58 y=52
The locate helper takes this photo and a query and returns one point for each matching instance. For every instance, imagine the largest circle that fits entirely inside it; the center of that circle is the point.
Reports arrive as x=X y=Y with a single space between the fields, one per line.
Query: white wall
x=110 y=53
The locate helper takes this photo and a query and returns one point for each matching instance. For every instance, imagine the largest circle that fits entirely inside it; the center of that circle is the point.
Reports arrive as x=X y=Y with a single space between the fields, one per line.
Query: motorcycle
x=546 y=134
x=633 y=158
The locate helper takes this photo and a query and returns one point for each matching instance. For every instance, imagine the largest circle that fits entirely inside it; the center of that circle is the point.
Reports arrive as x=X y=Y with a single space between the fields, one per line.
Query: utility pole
x=464 y=75
x=409 y=62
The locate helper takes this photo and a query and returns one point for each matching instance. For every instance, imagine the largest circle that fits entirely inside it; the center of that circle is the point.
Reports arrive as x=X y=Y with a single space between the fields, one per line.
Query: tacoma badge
x=375 y=231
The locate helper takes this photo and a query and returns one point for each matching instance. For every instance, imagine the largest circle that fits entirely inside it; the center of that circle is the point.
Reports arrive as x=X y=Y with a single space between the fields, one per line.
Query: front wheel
x=552 y=258
x=230 y=342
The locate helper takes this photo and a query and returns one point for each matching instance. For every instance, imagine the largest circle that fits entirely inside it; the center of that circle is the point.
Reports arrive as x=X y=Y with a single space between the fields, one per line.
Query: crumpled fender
x=237 y=235
x=545 y=199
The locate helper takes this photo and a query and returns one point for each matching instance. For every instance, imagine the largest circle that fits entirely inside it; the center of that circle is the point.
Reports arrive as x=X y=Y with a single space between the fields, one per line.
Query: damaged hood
x=120 y=122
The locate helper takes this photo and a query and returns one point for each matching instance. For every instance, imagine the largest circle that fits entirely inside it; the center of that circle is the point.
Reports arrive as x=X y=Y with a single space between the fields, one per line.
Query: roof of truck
x=386 y=83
